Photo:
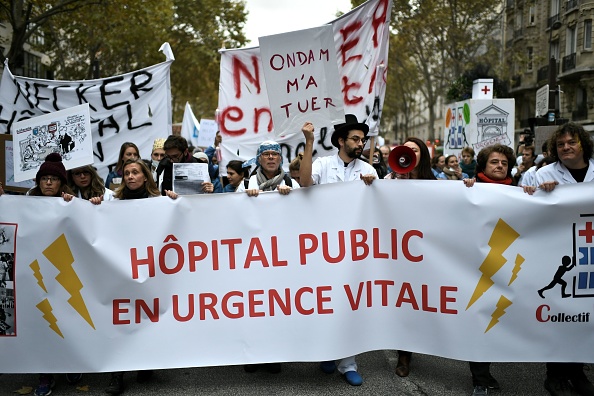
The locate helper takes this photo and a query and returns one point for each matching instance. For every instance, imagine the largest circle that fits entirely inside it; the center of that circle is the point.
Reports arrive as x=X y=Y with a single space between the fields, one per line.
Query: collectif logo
x=502 y=237
x=58 y=253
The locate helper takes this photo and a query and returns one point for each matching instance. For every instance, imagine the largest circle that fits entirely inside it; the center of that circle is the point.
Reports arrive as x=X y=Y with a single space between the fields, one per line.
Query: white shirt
x=559 y=173
x=331 y=169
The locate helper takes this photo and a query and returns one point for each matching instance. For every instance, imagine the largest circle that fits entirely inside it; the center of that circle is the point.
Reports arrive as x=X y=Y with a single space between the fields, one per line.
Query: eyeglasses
x=51 y=179
x=176 y=157
x=358 y=140
x=81 y=173
x=271 y=154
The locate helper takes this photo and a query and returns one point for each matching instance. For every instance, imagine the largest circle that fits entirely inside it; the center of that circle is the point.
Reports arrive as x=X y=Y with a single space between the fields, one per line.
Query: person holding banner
x=494 y=165
x=269 y=174
x=572 y=148
x=349 y=138
x=138 y=182
x=422 y=171
x=87 y=184
x=51 y=181
x=128 y=150
x=176 y=151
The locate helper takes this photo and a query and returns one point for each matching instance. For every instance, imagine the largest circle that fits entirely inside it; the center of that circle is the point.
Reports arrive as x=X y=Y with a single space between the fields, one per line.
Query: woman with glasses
x=127 y=151
x=86 y=184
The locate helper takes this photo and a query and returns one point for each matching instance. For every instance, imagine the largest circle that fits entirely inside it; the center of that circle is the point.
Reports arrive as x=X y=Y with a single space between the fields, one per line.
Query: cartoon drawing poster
x=478 y=123
x=67 y=132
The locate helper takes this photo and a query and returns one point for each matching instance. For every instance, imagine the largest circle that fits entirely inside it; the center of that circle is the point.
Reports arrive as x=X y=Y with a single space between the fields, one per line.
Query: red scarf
x=482 y=177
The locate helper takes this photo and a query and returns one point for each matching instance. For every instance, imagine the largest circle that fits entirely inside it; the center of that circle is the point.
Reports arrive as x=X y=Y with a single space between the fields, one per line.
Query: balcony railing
x=552 y=20
x=572 y=4
x=569 y=62
x=543 y=72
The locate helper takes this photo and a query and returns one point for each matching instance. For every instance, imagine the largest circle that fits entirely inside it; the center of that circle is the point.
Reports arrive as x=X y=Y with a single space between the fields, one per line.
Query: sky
x=267 y=17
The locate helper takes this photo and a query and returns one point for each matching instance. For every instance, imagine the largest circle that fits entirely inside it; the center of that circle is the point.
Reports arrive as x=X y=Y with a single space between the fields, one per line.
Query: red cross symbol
x=485 y=90
x=588 y=232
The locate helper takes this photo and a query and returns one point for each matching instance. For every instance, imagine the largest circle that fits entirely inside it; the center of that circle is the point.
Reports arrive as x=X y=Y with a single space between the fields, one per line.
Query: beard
x=353 y=153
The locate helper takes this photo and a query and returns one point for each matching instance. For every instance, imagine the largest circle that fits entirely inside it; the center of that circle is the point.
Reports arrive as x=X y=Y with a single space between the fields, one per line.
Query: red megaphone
x=402 y=159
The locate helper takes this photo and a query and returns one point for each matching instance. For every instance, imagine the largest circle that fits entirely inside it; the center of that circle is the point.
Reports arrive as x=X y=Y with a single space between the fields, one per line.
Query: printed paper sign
x=66 y=132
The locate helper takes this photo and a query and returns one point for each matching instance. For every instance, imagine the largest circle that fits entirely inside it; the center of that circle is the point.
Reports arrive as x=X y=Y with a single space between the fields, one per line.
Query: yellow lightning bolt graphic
x=46 y=308
x=37 y=274
x=501 y=238
x=502 y=305
x=519 y=261
x=59 y=254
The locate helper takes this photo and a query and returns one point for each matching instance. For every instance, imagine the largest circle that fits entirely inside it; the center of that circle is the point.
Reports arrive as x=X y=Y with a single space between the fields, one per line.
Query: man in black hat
x=349 y=138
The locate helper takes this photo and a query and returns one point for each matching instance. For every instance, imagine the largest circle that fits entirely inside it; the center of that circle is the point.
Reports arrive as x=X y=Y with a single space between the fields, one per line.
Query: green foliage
x=125 y=35
x=461 y=88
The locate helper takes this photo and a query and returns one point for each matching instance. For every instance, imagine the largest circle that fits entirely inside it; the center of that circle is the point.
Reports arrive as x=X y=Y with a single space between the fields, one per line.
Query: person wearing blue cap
x=269 y=174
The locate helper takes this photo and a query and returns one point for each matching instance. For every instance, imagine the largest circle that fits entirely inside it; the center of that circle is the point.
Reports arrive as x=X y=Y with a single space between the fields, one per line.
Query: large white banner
x=133 y=107
x=323 y=273
x=361 y=43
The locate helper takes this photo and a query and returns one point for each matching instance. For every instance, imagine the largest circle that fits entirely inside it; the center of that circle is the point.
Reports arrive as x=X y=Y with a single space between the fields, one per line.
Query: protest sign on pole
x=208 y=132
x=361 y=39
x=302 y=67
x=66 y=132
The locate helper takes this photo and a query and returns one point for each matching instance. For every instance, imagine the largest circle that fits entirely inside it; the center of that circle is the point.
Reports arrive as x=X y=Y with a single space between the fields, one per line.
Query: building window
x=32 y=66
x=588 y=34
x=532 y=15
x=554 y=49
x=530 y=58
x=571 y=40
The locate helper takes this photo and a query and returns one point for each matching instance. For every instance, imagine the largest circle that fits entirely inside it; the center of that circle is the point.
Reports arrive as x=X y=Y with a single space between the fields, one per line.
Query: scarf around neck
x=482 y=177
x=266 y=184
x=134 y=194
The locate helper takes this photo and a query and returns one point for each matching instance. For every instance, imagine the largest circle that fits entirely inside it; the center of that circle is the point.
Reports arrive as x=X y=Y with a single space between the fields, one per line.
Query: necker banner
x=482 y=273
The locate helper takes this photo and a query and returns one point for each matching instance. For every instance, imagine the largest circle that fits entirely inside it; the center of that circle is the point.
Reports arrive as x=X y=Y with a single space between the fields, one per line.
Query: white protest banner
x=245 y=119
x=66 y=132
x=208 y=132
x=133 y=107
x=303 y=69
x=283 y=282
x=190 y=129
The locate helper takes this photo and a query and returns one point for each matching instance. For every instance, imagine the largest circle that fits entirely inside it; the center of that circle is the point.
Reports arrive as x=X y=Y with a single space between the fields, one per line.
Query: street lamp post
x=552 y=112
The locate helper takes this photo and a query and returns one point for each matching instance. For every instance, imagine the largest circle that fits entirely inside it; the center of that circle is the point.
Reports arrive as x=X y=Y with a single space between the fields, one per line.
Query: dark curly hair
x=574 y=130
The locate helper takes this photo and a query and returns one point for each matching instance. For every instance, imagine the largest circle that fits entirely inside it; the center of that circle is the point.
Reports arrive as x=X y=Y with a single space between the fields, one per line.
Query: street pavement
x=430 y=375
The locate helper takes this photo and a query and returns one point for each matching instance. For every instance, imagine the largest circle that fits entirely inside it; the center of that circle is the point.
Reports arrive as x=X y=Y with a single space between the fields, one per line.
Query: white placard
x=66 y=132
x=303 y=69
x=208 y=131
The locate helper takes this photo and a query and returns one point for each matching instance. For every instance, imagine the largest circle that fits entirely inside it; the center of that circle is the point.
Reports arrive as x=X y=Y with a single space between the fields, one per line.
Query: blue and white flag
x=190 y=126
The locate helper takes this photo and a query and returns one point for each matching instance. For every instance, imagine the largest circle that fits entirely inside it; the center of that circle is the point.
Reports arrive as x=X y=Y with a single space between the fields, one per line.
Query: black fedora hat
x=342 y=130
